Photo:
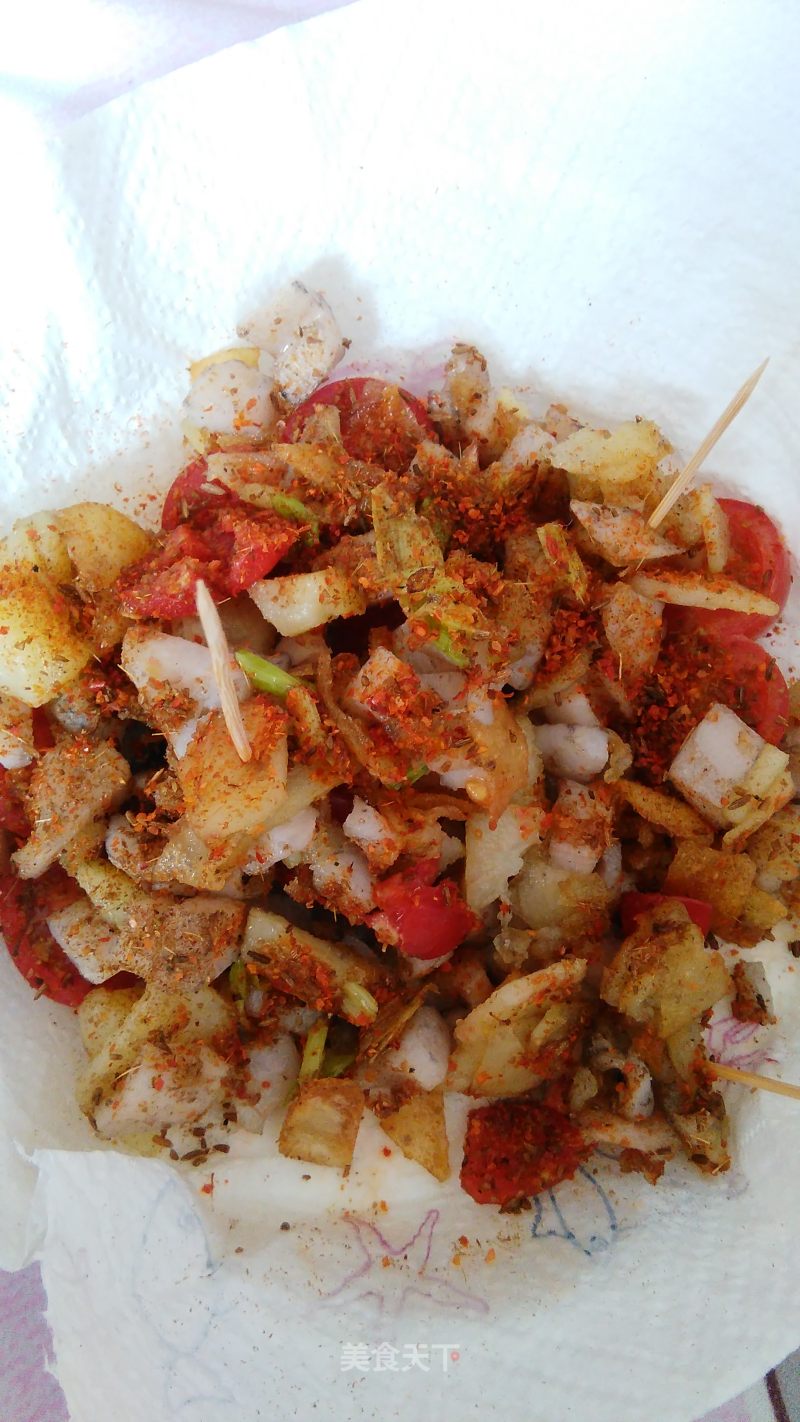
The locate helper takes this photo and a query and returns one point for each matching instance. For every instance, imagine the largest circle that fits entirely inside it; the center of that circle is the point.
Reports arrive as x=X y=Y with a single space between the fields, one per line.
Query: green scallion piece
x=416 y=773
x=239 y=983
x=314 y=1050
x=445 y=644
x=357 y=1001
x=289 y=507
x=265 y=676
x=337 y=1062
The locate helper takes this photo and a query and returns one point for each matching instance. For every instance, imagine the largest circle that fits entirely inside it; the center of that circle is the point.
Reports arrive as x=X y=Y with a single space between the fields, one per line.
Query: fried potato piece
x=313 y=969
x=171 y=1018
x=518 y=1036
x=663 y=974
x=225 y=795
x=418 y=1128
x=724 y=880
x=322 y=1122
x=674 y=817
x=72 y=785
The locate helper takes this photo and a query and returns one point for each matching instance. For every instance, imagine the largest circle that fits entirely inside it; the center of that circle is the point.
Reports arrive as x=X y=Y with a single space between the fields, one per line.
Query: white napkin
x=601 y=197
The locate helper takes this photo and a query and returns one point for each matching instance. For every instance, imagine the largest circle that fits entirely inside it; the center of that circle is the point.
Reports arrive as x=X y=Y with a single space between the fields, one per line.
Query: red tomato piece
x=190 y=491
x=517 y=1148
x=43 y=738
x=25 y=905
x=376 y=426
x=759 y=559
x=424 y=920
x=690 y=675
x=755 y=687
x=12 y=814
x=633 y=904
x=229 y=547
x=248 y=544
x=24 y=908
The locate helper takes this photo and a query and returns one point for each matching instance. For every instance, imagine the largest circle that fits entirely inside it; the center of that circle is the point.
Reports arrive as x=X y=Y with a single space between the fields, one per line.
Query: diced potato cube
x=612 y=465
x=633 y=625
x=724 y=880
x=663 y=974
x=621 y=536
x=301 y=601
x=70 y=787
x=181 y=1019
x=37 y=540
x=16 y=733
x=762 y=809
x=88 y=941
x=775 y=847
x=115 y=896
x=164 y=1089
x=418 y=1128
x=322 y=1122
x=224 y=794
x=497 y=1043
x=548 y=897
x=102 y=1013
x=41 y=651
x=725 y=768
x=667 y=813
x=761 y=913
x=100 y=542
x=495 y=855
x=185 y=942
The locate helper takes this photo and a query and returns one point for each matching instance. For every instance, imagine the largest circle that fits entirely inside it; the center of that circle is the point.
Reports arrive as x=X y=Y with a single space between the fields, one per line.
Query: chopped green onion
x=239 y=983
x=442 y=528
x=445 y=644
x=337 y=1062
x=265 y=676
x=314 y=1050
x=416 y=773
x=304 y=711
x=358 y=1001
x=289 y=507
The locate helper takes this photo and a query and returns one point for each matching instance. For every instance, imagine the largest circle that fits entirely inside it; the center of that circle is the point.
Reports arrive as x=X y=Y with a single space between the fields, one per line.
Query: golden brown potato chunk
x=322 y=1122
x=724 y=880
x=663 y=974
x=418 y=1127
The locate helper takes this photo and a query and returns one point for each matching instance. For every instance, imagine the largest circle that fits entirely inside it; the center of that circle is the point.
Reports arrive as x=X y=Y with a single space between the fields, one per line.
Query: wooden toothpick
x=684 y=479
x=222 y=667
x=751 y=1078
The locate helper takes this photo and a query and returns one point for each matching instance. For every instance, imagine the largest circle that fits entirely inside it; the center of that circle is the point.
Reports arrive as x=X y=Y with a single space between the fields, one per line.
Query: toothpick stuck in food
x=751 y=1078
x=684 y=479
x=222 y=667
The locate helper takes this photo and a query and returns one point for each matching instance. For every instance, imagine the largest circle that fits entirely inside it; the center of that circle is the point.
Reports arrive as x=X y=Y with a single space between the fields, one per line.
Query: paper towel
x=599 y=196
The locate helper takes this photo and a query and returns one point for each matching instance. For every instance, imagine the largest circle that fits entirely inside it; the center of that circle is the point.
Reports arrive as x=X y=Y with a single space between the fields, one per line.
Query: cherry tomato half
x=25 y=905
x=759 y=559
x=228 y=544
x=380 y=423
x=690 y=675
x=188 y=491
x=425 y=920
x=12 y=811
x=633 y=904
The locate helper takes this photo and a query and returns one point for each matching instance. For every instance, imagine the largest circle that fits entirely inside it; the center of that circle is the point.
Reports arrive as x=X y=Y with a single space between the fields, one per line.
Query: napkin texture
x=600 y=197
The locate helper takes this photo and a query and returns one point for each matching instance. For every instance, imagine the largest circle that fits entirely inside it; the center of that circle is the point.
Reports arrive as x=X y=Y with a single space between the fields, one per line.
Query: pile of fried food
x=406 y=758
